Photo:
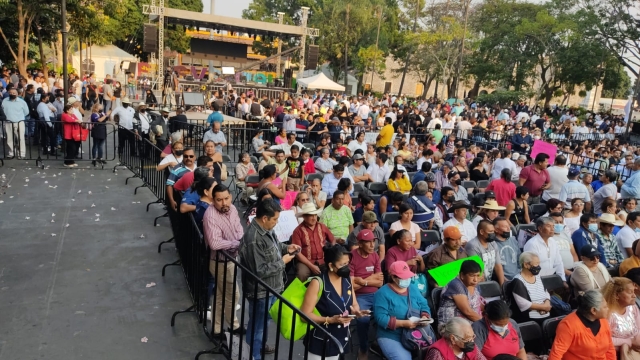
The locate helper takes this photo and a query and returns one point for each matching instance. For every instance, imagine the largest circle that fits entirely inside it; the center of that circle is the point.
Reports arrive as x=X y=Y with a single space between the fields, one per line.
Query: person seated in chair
x=311 y=235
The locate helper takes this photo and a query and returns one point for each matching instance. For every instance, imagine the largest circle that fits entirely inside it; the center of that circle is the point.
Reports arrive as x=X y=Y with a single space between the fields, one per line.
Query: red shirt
x=185 y=182
x=69 y=126
x=311 y=241
x=363 y=268
x=505 y=191
x=495 y=344
x=342 y=150
x=395 y=254
x=309 y=167
x=534 y=179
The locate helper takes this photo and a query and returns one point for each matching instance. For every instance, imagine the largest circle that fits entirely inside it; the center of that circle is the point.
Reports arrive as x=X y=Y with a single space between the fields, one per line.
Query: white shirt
x=625 y=238
x=558 y=177
x=286 y=147
x=77 y=113
x=550 y=259
x=378 y=174
x=464 y=129
x=363 y=111
x=125 y=115
x=500 y=164
x=144 y=123
x=432 y=124
x=466 y=228
x=355 y=145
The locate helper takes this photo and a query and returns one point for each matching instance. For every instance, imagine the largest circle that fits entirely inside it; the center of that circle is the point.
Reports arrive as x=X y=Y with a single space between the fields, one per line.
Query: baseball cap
x=401 y=270
x=369 y=217
x=430 y=177
x=574 y=172
x=365 y=235
x=452 y=232
x=489 y=194
x=589 y=251
x=401 y=168
x=358 y=157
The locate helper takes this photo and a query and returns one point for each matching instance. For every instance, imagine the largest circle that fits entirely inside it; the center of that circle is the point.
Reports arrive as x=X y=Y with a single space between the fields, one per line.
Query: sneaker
x=93 y=162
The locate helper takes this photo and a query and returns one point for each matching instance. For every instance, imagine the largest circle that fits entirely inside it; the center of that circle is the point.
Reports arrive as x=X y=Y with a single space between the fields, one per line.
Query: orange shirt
x=574 y=341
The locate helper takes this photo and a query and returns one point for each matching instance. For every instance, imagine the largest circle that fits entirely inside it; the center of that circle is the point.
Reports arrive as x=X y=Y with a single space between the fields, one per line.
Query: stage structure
x=163 y=16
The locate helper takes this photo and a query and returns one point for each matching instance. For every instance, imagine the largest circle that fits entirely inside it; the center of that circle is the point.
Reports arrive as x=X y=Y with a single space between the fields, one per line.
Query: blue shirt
x=596 y=185
x=190 y=197
x=581 y=238
x=419 y=176
x=15 y=110
x=215 y=116
x=330 y=184
x=201 y=207
x=631 y=188
x=387 y=304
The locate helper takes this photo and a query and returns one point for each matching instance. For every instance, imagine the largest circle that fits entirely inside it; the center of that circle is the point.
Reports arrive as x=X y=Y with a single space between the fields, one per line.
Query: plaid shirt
x=611 y=251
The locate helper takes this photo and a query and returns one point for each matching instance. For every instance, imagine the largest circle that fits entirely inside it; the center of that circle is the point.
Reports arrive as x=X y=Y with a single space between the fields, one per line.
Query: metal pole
x=406 y=62
x=459 y=65
x=65 y=72
x=279 y=59
x=305 y=15
x=346 y=47
x=373 y=69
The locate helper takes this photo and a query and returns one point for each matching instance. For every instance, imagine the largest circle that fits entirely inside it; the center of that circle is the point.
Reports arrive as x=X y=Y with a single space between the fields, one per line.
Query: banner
x=542 y=147
x=443 y=274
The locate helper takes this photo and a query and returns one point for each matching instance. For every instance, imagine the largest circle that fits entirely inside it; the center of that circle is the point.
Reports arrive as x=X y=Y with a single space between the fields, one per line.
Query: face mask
x=143 y=111
x=499 y=329
x=451 y=199
x=459 y=182
x=506 y=235
x=468 y=346
x=535 y=270
x=179 y=152
x=344 y=271
x=638 y=230
x=593 y=227
x=13 y=97
x=557 y=228
x=491 y=237
x=404 y=283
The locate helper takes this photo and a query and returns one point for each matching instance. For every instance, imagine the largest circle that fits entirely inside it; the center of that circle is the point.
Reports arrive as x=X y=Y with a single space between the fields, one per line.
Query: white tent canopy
x=320 y=81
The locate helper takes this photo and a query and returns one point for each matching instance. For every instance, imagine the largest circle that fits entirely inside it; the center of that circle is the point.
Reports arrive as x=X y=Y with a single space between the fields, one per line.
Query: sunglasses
x=189 y=156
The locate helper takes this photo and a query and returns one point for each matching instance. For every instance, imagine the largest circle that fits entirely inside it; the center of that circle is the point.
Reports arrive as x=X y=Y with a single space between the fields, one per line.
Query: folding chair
x=490 y=289
x=482 y=184
x=549 y=328
x=532 y=336
x=552 y=282
x=537 y=210
x=377 y=187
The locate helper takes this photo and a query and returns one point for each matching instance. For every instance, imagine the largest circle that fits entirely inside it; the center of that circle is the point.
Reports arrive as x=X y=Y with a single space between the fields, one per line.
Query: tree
x=616 y=83
x=368 y=59
x=21 y=13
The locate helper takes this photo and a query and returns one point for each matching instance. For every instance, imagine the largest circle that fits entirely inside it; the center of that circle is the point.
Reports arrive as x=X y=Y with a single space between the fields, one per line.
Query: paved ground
x=78 y=291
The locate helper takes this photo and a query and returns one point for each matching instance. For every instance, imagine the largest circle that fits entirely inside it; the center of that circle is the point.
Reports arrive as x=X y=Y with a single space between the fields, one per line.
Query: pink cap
x=401 y=270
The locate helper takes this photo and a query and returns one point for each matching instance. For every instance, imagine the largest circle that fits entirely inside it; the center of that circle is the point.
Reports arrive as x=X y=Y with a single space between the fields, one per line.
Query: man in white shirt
x=46 y=113
x=358 y=143
x=558 y=175
x=379 y=171
x=127 y=133
x=464 y=128
x=628 y=234
x=503 y=162
x=364 y=110
x=547 y=249
x=286 y=147
x=459 y=220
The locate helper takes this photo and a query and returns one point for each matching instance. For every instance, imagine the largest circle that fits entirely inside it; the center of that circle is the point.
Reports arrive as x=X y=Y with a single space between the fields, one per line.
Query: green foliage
x=502 y=97
x=616 y=83
x=70 y=69
x=368 y=58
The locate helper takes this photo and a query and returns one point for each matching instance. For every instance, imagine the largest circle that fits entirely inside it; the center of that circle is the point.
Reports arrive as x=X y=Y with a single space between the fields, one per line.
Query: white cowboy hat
x=309 y=209
x=610 y=219
x=491 y=205
x=125 y=100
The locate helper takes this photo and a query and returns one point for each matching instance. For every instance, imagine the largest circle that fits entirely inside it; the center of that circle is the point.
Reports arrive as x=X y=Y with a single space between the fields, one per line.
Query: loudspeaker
x=150 y=38
x=288 y=74
x=312 y=57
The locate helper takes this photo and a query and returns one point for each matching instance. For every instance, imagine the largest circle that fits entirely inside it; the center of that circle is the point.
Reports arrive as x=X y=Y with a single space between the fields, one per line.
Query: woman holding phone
x=337 y=304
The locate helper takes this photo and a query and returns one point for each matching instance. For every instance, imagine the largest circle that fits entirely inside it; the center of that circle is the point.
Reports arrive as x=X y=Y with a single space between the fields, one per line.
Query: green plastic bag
x=443 y=274
x=294 y=293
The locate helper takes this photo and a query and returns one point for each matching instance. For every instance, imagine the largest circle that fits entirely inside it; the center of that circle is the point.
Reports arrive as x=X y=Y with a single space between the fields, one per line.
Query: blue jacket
x=581 y=238
x=519 y=140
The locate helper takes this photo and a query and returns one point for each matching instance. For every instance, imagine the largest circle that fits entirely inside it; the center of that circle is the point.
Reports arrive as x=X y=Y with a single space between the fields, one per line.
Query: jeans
x=131 y=92
x=97 y=149
x=392 y=349
x=365 y=301
x=107 y=105
x=31 y=126
x=255 y=332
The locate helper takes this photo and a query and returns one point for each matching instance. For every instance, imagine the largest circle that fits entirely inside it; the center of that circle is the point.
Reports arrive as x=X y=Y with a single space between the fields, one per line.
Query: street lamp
x=64 y=31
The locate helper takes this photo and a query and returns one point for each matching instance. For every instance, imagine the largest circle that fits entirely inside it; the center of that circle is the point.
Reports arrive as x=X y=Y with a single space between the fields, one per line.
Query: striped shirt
x=573 y=189
x=222 y=231
x=176 y=173
x=537 y=294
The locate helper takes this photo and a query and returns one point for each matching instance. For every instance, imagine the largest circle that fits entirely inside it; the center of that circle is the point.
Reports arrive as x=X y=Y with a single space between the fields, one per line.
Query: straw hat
x=491 y=205
x=610 y=219
x=309 y=209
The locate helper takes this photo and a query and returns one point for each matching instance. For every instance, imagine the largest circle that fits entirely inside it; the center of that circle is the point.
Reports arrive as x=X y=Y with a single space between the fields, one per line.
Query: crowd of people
x=432 y=189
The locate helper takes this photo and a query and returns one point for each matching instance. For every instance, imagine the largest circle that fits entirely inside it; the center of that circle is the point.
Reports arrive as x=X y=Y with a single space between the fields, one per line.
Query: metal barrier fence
x=41 y=141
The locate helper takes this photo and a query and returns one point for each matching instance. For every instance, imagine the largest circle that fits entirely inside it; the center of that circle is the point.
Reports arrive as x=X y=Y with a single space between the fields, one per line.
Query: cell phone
x=350 y=316
x=295 y=252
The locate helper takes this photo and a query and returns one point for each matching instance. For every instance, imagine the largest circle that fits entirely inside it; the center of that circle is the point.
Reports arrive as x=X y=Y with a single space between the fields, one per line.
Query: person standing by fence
x=265 y=258
x=223 y=231
x=16 y=110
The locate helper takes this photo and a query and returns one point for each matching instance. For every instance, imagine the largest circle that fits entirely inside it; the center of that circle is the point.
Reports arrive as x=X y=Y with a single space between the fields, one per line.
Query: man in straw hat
x=484 y=245
x=311 y=236
x=612 y=253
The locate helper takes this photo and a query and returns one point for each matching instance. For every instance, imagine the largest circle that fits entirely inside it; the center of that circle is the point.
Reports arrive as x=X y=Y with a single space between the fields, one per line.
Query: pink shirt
x=222 y=231
x=363 y=268
x=395 y=254
x=534 y=179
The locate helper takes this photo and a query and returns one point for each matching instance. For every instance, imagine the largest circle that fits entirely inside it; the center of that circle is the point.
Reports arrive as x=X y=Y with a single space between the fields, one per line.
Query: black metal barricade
x=41 y=141
x=200 y=271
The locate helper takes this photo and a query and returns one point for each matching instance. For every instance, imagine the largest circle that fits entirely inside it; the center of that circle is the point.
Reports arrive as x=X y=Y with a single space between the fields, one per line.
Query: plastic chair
x=377 y=187
x=531 y=227
x=490 y=289
x=311 y=177
x=358 y=188
x=430 y=237
x=552 y=282
x=532 y=336
x=482 y=184
x=537 y=210
x=549 y=328
x=468 y=184
x=390 y=217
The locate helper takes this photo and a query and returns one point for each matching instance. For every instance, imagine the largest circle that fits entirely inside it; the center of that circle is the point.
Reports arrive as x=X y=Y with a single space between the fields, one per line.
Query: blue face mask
x=593 y=227
x=404 y=283
x=260 y=136
x=499 y=329
x=638 y=230
x=557 y=228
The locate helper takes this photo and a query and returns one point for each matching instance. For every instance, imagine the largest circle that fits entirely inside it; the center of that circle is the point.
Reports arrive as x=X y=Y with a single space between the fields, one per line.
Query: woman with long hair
x=517 y=211
x=267 y=175
x=572 y=217
x=624 y=317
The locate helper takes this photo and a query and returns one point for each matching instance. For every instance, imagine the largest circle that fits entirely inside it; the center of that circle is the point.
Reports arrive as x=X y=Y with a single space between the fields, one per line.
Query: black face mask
x=143 y=111
x=535 y=270
x=344 y=272
x=451 y=199
x=459 y=182
x=506 y=235
x=13 y=97
x=468 y=346
x=179 y=152
x=491 y=237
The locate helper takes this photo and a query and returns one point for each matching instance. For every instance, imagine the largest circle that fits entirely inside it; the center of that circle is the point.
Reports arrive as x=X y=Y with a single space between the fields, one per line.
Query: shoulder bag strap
x=422 y=205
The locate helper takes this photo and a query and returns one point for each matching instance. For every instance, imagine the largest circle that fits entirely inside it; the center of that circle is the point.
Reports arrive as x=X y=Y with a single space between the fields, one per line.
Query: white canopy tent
x=320 y=81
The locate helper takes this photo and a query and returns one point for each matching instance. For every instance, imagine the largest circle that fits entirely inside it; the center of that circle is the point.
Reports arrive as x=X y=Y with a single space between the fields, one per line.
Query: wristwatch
x=366 y=283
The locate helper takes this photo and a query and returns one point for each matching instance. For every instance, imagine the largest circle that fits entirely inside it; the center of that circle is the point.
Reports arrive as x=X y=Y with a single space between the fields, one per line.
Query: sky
x=227 y=8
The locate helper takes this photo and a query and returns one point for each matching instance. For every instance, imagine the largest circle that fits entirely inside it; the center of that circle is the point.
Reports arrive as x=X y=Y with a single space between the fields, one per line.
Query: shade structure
x=320 y=81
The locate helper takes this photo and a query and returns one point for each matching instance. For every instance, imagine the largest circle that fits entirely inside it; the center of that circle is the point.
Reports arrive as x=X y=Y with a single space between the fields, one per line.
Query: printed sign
x=542 y=147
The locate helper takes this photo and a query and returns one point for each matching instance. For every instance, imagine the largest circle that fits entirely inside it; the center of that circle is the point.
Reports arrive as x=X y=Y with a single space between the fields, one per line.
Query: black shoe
x=268 y=350
x=93 y=162
x=239 y=331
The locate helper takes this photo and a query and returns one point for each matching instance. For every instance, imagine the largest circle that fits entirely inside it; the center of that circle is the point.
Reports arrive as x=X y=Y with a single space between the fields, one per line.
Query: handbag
x=223 y=171
x=421 y=336
x=420 y=281
x=81 y=134
x=284 y=315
